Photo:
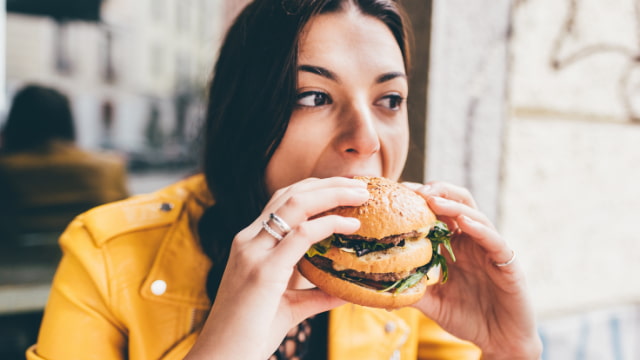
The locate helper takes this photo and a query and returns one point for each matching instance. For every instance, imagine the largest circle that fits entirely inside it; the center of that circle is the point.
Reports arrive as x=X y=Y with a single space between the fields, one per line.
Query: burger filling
x=362 y=246
x=391 y=282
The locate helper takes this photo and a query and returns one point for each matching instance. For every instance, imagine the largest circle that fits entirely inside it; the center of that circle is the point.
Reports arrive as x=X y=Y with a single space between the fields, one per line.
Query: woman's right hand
x=254 y=309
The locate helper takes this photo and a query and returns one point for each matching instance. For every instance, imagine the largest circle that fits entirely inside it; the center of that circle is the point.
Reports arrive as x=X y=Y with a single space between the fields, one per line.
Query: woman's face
x=351 y=115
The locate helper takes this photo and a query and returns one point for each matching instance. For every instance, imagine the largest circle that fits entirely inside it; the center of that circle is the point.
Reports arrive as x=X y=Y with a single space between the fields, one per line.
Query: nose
x=358 y=136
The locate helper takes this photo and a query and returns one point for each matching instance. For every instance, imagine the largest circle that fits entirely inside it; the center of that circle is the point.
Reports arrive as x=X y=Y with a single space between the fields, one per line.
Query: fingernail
x=411 y=185
x=468 y=220
x=361 y=191
x=440 y=201
x=361 y=183
x=352 y=221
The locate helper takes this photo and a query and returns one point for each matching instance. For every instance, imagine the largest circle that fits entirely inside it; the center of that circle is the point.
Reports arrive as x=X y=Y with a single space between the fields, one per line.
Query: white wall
x=553 y=156
x=570 y=202
x=570 y=198
x=466 y=101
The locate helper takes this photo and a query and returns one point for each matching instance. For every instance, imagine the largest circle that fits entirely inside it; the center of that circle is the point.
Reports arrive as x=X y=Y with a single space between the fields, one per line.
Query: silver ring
x=281 y=224
x=267 y=228
x=513 y=258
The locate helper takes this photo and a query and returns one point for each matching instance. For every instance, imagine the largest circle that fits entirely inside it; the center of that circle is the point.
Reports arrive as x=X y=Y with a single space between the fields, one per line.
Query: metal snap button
x=158 y=287
x=166 y=207
x=395 y=355
x=389 y=327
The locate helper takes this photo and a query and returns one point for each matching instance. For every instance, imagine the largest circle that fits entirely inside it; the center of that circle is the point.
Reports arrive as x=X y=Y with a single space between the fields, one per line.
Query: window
x=63 y=63
x=106 y=57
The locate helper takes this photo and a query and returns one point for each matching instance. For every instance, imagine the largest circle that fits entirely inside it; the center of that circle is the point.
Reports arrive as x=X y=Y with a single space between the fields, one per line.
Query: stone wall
x=466 y=96
x=534 y=105
x=570 y=197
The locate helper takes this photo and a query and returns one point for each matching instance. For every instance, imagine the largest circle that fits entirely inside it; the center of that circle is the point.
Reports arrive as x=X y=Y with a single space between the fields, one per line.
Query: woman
x=306 y=94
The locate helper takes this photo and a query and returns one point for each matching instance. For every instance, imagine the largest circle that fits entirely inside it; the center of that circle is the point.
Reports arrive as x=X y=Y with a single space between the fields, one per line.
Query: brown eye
x=313 y=98
x=391 y=102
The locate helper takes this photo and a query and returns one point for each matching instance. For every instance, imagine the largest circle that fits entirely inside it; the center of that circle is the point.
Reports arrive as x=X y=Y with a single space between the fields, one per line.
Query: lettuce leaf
x=440 y=235
x=320 y=248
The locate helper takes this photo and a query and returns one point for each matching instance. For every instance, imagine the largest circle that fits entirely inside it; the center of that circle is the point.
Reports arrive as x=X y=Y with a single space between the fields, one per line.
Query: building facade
x=136 y=78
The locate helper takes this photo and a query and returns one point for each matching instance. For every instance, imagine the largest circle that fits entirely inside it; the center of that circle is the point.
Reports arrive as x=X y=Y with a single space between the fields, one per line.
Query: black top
x=307 y=341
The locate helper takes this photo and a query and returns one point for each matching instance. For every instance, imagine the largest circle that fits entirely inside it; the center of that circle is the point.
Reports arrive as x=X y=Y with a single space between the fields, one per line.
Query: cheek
x=395 y=143
x=292 y=160
x=277 y=170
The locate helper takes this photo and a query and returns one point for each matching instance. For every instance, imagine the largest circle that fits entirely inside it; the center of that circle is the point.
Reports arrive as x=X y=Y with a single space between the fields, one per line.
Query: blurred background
x=534 y=105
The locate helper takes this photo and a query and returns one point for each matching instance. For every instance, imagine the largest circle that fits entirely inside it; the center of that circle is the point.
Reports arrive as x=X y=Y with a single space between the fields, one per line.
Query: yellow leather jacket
x=131 y=285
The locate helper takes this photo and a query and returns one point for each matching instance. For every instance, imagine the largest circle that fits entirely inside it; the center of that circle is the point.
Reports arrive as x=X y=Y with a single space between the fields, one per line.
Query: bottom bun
x=360 y=295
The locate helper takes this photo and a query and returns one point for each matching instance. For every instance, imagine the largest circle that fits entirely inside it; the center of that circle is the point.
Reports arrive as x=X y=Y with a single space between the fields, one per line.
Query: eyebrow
x=319 y=70
x=390 y=76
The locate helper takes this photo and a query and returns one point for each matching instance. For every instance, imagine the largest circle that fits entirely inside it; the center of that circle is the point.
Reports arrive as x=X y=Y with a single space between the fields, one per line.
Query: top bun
x=392 y=209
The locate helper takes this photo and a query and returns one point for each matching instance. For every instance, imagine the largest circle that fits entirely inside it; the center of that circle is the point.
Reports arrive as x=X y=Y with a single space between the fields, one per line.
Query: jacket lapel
x=180 y=265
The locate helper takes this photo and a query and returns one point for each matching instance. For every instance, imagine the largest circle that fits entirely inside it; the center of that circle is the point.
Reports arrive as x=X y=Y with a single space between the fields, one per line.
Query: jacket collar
x=180 y=266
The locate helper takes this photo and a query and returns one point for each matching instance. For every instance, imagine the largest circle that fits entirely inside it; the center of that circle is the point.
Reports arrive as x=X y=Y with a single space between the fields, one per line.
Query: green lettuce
x=440 y=235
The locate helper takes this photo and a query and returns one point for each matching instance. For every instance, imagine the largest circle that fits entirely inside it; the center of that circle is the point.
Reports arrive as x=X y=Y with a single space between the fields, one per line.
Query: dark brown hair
x=251 y=99
x=38 y=115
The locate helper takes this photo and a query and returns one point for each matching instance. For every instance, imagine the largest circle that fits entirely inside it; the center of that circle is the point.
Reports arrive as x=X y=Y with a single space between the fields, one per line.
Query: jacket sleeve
x=77 y=322
x=435 y=343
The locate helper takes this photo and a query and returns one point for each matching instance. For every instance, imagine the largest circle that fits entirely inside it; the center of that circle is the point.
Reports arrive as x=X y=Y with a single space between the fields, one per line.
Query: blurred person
x=305 y=95
x=45 y=178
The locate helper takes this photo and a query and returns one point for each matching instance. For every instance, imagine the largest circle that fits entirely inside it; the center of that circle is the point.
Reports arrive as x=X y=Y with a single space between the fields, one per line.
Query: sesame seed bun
x=397 y=219
x=391 y=209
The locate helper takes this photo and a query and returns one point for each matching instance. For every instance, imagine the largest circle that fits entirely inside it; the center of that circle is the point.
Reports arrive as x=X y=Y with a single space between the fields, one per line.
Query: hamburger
x=393 y=257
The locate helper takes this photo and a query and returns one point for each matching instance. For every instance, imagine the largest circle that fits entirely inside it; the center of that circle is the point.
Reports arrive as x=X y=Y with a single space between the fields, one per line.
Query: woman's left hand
x=481 y=302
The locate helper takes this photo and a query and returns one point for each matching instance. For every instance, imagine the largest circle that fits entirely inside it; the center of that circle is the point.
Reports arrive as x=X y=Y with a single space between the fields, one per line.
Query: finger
x=300 y=206
x=412 y=185
x=487 y=237
x=311 y=184
x=451 y=224
x=444 y=190
x=453 y=209
x=298 y=241
x=309 y=302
